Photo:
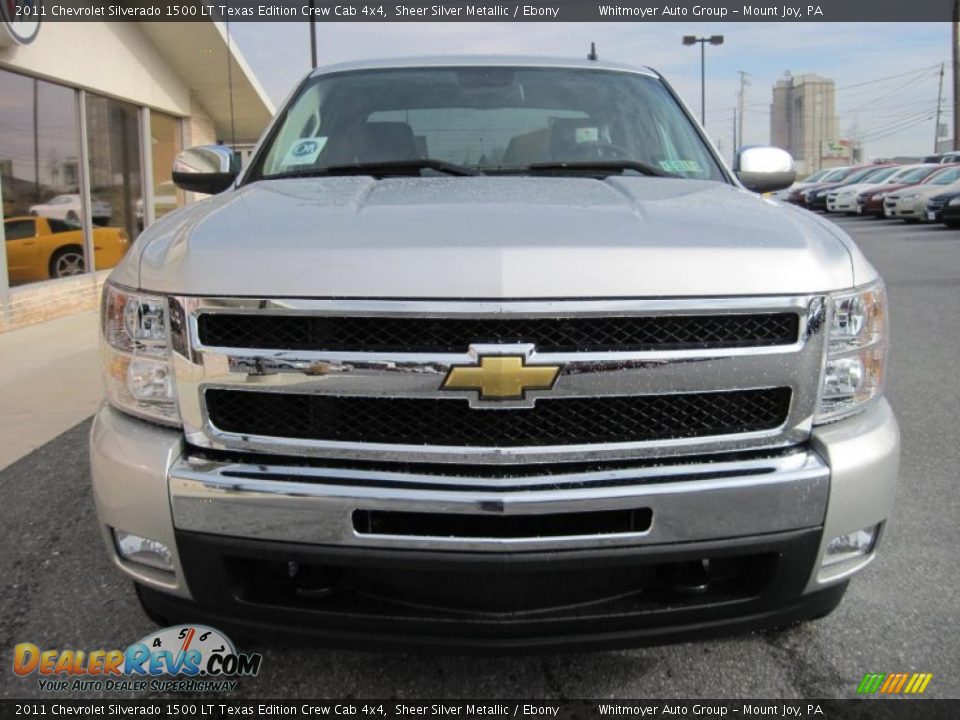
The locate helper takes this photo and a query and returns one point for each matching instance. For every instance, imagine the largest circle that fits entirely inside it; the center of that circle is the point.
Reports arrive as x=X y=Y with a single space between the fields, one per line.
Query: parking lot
x=59 y=591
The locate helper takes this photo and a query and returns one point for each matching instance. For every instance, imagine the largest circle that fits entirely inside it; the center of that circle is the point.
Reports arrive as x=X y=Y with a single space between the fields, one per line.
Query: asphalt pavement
x=901 y=615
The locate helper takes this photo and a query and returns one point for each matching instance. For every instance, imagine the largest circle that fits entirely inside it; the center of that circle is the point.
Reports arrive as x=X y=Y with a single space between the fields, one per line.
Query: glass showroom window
x=40 y=179
x=113 y=147
x=165 y=141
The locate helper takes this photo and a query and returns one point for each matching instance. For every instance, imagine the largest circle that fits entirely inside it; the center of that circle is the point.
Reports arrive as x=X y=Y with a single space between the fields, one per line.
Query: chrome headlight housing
x=135 y=354
x=856 y=356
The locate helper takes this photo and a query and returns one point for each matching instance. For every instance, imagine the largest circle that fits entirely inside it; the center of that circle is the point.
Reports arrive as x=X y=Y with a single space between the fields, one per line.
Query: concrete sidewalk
x=50 y=382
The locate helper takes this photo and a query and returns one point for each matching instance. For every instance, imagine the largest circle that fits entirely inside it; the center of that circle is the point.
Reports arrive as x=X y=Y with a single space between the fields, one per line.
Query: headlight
x=953 y=202
x=856 y=352
x=879 y=196
x=135 y=353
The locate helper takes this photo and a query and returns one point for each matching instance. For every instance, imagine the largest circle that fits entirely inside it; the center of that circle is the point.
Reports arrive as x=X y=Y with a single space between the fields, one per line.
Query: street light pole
x=693 y=40
x=703 y=83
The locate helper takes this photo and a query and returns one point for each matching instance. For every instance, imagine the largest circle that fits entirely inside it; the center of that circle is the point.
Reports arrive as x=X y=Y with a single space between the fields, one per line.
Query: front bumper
x=946 y=214
x=897 y=208
x=761 y=522
x=842 y=204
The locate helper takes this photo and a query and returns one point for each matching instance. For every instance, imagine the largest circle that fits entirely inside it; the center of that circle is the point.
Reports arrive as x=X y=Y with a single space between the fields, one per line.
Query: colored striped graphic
x=894 y=683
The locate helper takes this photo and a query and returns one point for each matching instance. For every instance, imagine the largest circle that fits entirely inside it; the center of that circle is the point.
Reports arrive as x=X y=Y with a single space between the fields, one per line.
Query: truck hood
x=490 y=237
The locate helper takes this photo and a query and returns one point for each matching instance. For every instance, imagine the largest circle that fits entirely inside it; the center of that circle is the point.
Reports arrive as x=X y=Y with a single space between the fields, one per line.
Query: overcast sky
x=893 y=116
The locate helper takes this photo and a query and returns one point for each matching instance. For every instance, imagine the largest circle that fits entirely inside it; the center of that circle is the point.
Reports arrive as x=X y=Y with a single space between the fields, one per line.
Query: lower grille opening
x=462 y=525
x=552 y=421
x=504 y=591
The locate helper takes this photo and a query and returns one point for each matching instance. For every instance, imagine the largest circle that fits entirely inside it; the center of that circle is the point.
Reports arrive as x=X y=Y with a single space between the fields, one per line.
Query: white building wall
x=114 y=59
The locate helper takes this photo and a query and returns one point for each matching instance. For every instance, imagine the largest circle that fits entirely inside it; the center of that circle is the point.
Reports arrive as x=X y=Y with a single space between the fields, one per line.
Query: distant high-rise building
x=803 y=120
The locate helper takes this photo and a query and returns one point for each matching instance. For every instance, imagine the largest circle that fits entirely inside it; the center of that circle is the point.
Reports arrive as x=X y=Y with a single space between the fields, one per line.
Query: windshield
x=858 y=176
x=909 y=177
x=945 y=177
x=835 y=175
x=818 y=175
x=878 y=176
x=490 y=119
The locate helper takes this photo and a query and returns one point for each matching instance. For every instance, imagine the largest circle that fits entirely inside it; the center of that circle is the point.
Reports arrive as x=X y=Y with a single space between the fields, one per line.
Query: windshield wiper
x=600 y=166
x=379 y=169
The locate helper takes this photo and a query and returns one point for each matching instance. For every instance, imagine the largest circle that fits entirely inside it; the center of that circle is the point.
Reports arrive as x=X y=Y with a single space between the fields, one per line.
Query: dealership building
x=91 y=117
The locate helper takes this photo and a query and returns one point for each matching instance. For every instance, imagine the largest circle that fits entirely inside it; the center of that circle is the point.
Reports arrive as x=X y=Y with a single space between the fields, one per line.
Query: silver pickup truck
x=492 y=352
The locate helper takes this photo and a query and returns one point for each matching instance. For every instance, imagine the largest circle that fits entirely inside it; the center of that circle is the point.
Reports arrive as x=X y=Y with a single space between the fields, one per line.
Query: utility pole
x=740 y=95
x=956 y=74
x=936 y=124
x=313 y=35
x=736 y=145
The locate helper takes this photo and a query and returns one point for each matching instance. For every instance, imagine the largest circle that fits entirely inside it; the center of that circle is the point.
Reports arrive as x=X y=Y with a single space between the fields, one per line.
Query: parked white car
x=70 y=207
x=844 y=198
x=910 y=202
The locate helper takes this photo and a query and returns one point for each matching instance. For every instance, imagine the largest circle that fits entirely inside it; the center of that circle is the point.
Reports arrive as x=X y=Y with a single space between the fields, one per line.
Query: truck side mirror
x=206 y=169
x=764 y=169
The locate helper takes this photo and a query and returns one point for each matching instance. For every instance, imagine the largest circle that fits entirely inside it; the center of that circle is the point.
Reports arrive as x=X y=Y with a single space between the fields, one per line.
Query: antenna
x=593 y=52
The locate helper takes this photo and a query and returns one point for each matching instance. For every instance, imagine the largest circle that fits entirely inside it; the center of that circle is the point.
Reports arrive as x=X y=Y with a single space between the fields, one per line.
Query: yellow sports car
x=39 y=248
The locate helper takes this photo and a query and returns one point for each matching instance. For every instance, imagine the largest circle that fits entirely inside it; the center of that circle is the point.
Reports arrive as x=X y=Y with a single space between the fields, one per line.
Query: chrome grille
x=638 y=378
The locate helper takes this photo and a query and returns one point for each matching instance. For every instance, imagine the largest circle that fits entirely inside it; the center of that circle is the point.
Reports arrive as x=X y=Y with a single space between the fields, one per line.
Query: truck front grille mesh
x=578 y=334
x=552 y=421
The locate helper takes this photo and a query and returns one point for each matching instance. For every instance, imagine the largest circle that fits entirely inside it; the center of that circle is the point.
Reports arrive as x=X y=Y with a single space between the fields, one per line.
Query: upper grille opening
x=423 y=334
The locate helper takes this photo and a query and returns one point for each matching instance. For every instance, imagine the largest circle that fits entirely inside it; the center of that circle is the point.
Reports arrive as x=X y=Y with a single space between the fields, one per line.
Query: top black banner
x=637 y=11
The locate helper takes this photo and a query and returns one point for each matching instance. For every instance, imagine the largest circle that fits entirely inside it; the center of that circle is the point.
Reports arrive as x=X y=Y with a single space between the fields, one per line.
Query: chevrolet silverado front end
x=569 y=384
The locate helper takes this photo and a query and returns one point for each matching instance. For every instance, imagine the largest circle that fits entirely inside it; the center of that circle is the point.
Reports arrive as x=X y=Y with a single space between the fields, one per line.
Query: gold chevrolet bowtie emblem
x=501 y=377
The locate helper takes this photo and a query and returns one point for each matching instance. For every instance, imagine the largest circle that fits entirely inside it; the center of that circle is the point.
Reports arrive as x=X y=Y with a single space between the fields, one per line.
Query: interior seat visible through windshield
x=487 y=119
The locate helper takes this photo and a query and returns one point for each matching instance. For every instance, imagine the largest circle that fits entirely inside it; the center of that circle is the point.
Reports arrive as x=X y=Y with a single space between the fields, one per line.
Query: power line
x=894 y=128
x=871 y=82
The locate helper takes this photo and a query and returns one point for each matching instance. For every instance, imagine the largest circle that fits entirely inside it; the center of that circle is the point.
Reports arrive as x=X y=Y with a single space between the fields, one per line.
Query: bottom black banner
x=875 y=709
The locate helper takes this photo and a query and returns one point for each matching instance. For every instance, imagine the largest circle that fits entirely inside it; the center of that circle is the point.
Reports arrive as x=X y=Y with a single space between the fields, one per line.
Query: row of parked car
x=920 y=192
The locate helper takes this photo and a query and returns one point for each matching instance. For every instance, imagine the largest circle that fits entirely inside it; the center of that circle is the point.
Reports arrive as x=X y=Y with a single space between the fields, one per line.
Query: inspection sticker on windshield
x=586 y=134
x=304 y=152
x=680 y=165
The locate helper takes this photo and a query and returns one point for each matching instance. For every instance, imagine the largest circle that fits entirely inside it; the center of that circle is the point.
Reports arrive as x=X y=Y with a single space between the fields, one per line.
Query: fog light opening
x=851 y=545
x=143 y=551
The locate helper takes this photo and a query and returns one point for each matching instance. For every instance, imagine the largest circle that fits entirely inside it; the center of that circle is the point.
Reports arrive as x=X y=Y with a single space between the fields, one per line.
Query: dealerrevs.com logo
x=187 y=658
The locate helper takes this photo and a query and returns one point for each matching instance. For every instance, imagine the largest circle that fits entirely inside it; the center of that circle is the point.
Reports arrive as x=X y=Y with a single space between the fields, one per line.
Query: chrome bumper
x=699 y=501
x=145 y=484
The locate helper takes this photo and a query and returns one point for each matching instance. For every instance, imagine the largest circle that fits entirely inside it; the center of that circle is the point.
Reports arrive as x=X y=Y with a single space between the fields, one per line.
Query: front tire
x=67 y=262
